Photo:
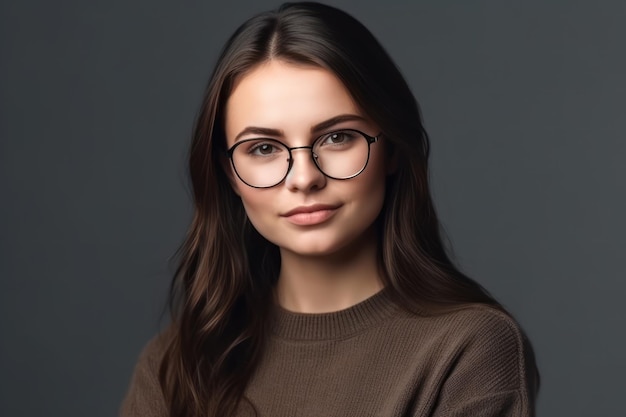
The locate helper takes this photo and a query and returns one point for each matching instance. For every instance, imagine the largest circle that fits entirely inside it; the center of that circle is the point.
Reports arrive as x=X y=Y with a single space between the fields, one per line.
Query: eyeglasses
x=265 y=163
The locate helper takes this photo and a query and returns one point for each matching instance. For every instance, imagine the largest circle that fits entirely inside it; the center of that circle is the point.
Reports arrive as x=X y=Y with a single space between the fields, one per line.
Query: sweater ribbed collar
x=334 y=325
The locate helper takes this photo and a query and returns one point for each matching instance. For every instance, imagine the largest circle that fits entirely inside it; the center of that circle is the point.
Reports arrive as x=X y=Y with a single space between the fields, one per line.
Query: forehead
x=287 y=97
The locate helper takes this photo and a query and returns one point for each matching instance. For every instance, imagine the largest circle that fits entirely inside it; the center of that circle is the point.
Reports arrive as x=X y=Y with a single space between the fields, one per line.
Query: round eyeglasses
x=265 y=163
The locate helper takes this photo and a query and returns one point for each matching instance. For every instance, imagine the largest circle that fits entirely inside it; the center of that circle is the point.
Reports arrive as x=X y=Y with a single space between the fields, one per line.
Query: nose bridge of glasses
x=311 y=156
x=296 y=148
x=310 y=147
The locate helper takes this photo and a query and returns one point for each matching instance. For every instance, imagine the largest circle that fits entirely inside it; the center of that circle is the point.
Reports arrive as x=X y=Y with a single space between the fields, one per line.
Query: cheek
x=251 y=203
x=374 y=182
x=367 y=191
x=373 y=179
x=257 y=204
x=235 y=184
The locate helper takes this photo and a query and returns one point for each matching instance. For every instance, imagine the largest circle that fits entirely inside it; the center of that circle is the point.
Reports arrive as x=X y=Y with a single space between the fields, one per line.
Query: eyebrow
x=318 y=128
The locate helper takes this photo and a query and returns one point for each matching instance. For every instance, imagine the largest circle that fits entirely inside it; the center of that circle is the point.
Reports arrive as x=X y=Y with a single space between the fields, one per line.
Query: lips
x=310 y=215
x=310 y=209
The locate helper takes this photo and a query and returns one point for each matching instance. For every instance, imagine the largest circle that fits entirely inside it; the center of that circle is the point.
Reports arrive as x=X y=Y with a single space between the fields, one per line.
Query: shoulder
x=472 y=326
x=490 y=359
x=483 y=328
x=144 y=396
x=152 y=354
x=153 y=351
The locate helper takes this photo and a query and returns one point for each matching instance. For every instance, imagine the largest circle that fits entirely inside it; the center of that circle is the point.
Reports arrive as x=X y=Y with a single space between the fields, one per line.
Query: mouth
x=310 y=215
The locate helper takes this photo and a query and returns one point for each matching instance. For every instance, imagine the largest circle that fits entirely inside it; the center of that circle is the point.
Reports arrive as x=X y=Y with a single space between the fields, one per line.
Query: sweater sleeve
x=494 y=374
x=144 y=397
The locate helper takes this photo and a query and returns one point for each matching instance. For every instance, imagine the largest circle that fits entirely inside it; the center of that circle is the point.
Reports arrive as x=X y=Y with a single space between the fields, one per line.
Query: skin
x=326 y=266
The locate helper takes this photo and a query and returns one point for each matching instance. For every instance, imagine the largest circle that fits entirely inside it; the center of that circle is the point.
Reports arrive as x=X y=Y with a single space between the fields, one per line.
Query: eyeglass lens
x=266 y=162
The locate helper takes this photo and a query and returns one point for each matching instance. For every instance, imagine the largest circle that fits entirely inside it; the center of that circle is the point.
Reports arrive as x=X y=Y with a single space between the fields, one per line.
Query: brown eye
x=337 y=138
x=263 y=149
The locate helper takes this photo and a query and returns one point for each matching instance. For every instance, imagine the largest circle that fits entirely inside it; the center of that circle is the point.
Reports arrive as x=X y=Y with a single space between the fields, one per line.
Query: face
x=307 y=213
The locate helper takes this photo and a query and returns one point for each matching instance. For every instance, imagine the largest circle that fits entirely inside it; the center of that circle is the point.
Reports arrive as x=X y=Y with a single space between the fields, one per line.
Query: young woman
x=313 y=280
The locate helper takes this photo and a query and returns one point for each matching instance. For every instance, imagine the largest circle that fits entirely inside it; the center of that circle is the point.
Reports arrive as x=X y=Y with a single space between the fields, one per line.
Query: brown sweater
x=375 y=359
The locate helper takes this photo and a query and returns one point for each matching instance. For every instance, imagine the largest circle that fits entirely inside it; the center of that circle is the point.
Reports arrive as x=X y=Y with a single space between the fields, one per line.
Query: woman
x=313 y=280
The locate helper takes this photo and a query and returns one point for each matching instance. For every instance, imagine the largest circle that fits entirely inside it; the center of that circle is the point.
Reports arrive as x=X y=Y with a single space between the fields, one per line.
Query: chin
x=320 y=245
x=310 y=250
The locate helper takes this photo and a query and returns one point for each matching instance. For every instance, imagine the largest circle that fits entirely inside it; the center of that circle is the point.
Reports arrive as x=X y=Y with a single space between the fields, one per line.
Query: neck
x=322 y=284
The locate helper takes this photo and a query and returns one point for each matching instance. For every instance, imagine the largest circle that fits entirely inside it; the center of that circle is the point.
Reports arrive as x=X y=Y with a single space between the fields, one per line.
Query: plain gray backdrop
x=524 y=103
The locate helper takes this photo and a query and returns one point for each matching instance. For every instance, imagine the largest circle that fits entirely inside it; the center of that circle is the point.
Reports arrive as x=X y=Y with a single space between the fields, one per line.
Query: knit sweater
x=376 y=359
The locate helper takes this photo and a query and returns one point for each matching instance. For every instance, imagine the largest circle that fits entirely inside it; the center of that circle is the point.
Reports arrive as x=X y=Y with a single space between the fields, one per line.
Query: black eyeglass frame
x=370 y=140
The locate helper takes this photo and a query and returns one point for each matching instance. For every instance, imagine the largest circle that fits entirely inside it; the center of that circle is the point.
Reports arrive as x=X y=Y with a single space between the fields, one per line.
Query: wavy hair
x=221 y=294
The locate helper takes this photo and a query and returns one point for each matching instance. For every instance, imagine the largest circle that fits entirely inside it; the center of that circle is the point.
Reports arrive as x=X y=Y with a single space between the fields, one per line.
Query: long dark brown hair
x=222 y=290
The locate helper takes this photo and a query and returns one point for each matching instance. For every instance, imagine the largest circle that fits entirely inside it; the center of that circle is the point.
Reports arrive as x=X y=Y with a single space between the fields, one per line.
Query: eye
x=263 y=148
x=338 y=138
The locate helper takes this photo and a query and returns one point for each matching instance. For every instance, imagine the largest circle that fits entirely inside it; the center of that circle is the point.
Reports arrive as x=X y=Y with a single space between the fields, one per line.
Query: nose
x=304 y=174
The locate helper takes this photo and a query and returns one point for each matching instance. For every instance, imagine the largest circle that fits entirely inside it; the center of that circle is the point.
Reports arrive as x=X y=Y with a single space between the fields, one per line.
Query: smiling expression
x=307 y=213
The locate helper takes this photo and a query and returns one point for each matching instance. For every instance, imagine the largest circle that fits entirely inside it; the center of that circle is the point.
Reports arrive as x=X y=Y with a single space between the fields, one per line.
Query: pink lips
x=310 y=215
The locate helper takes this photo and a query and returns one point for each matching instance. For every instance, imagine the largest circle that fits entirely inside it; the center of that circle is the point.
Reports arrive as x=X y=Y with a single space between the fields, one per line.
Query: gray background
x=525 y=105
